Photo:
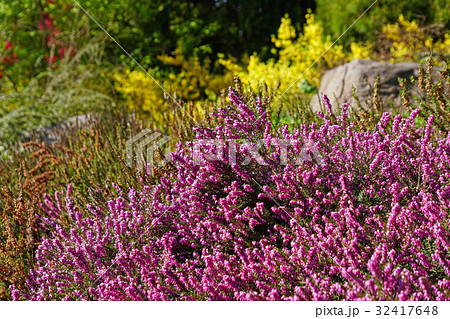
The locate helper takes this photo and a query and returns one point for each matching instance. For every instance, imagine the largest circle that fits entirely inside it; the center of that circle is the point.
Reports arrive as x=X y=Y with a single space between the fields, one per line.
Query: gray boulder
x=56 y=133
x=337 y=83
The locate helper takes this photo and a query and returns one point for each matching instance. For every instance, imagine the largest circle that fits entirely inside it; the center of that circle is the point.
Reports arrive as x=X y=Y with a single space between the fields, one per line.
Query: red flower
x=62 y=51
x=48 y=22
x=8 y=60
x=52 y=60
x=8 y=45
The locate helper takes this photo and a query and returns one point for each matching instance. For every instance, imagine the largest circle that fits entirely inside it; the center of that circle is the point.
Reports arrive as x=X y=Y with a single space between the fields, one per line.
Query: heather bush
x=435 y=87
x=362 y=216
x=18 y=232
x=89 y=158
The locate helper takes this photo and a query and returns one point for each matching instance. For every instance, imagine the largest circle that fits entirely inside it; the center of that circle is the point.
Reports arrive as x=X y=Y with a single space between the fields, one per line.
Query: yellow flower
x=297 y=57
x=410 y=43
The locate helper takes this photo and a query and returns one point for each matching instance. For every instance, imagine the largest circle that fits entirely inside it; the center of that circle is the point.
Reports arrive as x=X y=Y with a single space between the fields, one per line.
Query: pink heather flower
x=368 y=223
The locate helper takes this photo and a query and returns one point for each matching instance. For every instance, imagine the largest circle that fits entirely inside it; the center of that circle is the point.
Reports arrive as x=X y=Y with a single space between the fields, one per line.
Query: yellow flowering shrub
x=305 y=55
x=142 y=94
x=410 y=43
x=195 y=78
x=193 y=82
x=359 y=51
x=297 y=54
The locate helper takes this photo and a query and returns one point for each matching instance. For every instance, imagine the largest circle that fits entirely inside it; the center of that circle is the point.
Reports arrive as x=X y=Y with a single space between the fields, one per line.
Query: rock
x=54 y=134
x=337 y=83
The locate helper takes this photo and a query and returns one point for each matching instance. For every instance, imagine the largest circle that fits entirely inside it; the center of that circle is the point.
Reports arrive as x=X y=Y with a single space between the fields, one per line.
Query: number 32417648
x=407 y=310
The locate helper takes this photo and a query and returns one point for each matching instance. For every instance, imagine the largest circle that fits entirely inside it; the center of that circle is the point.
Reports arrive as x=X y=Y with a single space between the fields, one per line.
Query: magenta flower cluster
x=369 y=222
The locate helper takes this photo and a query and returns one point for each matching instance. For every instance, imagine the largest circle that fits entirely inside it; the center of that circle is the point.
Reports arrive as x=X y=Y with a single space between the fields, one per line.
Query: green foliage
x=40 y=31
x=75 y=87
x=435 y=90
x=51 y=67
x=150 y=28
